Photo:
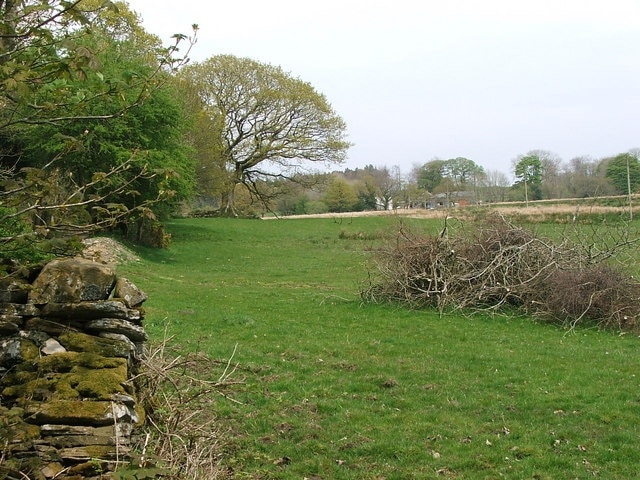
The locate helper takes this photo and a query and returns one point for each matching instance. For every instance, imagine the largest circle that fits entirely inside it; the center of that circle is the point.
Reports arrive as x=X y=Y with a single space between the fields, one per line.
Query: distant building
x=452 y=199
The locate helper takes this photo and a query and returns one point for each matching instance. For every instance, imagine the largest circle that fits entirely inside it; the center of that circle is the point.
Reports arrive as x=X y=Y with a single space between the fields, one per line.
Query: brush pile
x=499 y=265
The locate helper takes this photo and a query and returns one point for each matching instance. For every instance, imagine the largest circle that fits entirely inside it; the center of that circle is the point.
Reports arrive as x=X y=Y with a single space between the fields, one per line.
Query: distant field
x=335 y=389
x=505 y=209
x=569 y=208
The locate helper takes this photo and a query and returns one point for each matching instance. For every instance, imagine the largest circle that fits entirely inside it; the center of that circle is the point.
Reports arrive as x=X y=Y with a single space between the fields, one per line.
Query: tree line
x=102 y=126
x=538 y=175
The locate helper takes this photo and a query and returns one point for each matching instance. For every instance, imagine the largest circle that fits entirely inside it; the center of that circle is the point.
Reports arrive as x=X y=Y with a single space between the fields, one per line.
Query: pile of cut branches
x=498 y=265
x=183 y=437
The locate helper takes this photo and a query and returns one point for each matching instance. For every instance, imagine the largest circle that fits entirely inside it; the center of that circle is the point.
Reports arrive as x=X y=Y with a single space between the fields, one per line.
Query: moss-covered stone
x=51 y=327
x=14 y=429
x=9 y=381
x=79 y=383
x=72 y=280
x=99 y=384
x=18 y=310
x=141 y=414
x=90 y=310
x=10 y=325
x=59 y=363
x=14 y=290
x=94 y=468
x=53 y=430
x=43 y=389
x=82 y=342
x=117 y=325
x=52 y=470
x=66 y=361
x=98 y=413
x=14 y=351
x=89 y=452
x=26 y=467
x=29 y=350
x=69 y=441
x=129 y=293
x=24 y=376
x=69 y=403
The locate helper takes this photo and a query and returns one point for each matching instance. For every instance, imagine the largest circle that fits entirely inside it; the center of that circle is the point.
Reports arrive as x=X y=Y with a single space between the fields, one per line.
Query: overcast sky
x=421 y=79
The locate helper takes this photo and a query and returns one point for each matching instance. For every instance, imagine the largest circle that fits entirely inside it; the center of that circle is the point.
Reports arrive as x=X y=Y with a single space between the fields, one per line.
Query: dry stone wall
x=71 y=337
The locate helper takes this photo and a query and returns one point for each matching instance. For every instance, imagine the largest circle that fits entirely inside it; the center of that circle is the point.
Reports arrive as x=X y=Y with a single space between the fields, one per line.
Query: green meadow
x=336 y=389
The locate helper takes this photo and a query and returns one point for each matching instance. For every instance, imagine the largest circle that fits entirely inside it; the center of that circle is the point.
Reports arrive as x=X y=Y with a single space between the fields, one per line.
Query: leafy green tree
x=301 y=206
x=71 y=79
x=52 y=70
x=205 y=135
x=367 y=192
x=464 y=173
x=430 y=175
x=273 y=124
x=340 y=196
x=446 y=188
x=151 y=123
x=551 y=184
x=149 y=138
x=448 y=176
x=623 y=171
x=528 y=170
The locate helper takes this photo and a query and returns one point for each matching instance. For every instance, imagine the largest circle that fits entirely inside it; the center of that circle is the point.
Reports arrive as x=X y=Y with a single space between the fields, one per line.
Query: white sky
x=417 y=80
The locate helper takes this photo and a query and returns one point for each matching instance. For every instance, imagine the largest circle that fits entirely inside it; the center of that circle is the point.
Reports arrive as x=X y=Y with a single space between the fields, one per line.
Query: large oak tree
x=271 y=125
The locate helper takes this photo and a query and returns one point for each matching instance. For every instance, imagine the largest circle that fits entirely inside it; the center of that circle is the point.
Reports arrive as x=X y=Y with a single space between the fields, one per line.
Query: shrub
x=147 y=230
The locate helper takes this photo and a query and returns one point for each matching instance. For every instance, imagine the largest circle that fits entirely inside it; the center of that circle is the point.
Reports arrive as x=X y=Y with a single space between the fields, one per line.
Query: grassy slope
x=346 y=391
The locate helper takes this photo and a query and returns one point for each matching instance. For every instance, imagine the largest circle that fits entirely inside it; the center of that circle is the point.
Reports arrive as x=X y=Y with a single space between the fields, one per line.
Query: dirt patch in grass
x=369 y=213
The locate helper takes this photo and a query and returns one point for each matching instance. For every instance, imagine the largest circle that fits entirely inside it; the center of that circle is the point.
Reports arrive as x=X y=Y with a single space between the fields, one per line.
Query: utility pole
x=629 y=190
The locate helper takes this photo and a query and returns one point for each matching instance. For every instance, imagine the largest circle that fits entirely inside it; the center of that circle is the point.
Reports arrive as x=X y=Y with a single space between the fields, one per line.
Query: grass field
x=334 y=389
